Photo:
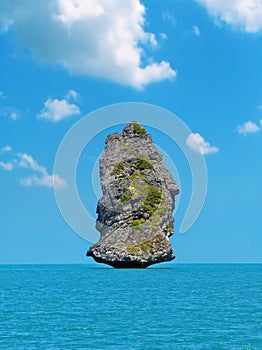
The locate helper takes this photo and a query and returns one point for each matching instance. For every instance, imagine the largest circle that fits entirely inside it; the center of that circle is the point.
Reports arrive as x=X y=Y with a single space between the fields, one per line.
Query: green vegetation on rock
x=118 y=168
x=137 y=222
x=133 y=249
x=125 y=197
x=153 y=198
x=139 y=130
x=150 y=195
x=145 y=246
x=132 y=189
x=136 y=175
x=142 y=164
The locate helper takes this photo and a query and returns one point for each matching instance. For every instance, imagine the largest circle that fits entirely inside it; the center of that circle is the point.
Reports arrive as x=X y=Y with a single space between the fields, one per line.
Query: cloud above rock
x=56 y=110
x=97 y=38
x=197 y=143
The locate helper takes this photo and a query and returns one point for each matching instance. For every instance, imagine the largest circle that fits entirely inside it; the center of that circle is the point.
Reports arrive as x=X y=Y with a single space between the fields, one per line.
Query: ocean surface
x=172 y=306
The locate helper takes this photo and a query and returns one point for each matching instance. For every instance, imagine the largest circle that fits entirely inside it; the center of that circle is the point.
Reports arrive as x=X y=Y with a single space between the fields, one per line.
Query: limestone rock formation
x=135 y=212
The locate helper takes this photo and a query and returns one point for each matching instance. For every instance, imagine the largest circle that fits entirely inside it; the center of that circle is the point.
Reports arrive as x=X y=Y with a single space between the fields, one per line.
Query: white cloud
x=9 y=112
x=242 y=14
x=168 y=17
x=40 y=176
x=72 y=95
x=196 y=142
x=2 y=95
x=98 y=38
x=28 y=162
x=45 y=180
x=248 y=128
x=71 y=12
x=13 y=116
x=6 y=166
x=196 y=30
x=6 y=149
x=57 y=110
x=163 y=36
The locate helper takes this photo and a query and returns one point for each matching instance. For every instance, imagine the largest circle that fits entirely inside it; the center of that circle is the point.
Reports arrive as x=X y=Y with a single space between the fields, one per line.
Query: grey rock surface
x=135 y=213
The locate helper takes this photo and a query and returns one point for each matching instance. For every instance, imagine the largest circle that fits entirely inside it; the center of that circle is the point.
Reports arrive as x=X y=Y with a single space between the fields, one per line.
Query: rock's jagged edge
x=135 y=212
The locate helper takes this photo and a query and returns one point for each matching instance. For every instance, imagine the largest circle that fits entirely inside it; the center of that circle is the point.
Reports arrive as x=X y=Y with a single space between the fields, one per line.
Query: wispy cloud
x=6 y=149
x=2 y=95
x=245 y=15
x=13 y=115
x=9 y=112
x=196 y=30
x=248 y=128
x=45 y=180
x=6 y=166
x=163 y=36
x=72 y=95
x=168 y=17
x=109 y=38
x=196 y=142
x=28 y=162
x=57 y=110
x=40 y=176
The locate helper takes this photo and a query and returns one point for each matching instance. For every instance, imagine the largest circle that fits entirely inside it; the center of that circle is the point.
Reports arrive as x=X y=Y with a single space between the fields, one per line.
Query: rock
x=135 y=212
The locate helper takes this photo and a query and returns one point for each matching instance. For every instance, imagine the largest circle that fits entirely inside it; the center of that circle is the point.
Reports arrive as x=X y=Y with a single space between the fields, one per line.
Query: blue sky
x=199 y=59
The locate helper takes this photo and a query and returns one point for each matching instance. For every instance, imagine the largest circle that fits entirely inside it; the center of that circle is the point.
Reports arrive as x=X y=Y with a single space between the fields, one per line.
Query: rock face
x=135 y=212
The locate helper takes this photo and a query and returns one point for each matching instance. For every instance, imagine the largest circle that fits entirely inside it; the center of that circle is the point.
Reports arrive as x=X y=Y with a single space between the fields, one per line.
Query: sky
x=199 y=59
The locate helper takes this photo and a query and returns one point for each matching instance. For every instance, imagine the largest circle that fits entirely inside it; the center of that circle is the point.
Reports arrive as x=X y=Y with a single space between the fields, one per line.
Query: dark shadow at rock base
x=128 y=264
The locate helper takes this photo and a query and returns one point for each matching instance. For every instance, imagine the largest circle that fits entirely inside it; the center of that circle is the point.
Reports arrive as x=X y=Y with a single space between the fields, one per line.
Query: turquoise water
x=173 y=306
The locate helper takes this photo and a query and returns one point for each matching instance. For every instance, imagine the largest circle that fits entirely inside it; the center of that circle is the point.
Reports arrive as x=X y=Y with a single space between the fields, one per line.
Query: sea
x=169 y=306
